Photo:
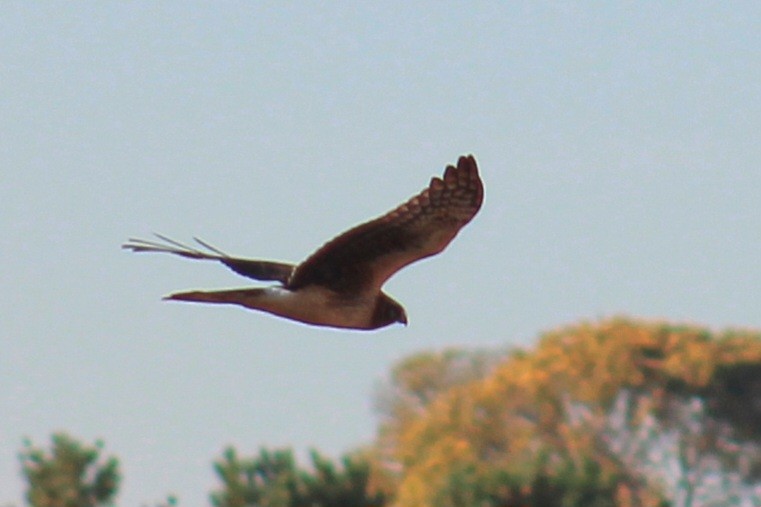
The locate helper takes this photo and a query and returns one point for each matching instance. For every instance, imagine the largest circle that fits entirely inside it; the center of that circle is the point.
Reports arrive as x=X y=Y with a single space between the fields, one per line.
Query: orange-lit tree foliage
x=578 y=417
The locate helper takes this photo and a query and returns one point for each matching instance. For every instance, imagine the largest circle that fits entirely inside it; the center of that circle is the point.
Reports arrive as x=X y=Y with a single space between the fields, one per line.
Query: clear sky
x=619 y=143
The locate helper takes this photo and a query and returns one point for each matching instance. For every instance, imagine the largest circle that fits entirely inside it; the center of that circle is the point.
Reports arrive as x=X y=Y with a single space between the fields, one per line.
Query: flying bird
x=340 y=284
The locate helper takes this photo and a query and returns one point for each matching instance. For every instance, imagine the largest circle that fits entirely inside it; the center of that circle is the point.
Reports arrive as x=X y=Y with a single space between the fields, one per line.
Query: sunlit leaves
x=544 y=414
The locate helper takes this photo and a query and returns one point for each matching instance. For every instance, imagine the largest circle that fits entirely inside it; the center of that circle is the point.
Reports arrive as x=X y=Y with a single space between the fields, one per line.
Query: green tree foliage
x=596 y=414
x=70 y=474
x=273 y=479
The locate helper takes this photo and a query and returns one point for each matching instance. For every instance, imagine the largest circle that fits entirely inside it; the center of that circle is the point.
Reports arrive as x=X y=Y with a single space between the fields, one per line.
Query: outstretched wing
x=258 y=270
x=363 y=258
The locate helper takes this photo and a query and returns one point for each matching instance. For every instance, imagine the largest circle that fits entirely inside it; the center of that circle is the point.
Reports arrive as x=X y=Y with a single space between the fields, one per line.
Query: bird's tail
x=243 y=297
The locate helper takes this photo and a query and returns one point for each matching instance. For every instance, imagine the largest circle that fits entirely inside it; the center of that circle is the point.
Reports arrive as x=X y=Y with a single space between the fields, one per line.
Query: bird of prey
x=340 y=284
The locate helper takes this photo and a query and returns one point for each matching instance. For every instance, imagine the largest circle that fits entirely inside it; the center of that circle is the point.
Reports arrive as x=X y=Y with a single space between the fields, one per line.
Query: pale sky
x=619 y=144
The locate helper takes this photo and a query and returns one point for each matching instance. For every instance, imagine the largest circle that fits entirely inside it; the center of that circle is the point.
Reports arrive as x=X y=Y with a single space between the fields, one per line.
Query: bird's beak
x=403 y=319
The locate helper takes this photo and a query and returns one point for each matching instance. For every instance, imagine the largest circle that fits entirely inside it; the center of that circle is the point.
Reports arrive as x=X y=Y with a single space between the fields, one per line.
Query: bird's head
x=387 y=312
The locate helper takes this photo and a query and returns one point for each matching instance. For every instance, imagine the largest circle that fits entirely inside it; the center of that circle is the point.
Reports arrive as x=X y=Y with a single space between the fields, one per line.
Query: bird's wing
x=363 y=258
x=256 y=269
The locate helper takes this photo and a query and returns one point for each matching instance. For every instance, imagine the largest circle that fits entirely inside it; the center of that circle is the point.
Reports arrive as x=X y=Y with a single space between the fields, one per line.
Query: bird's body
x=313 y=304
x=340 y=284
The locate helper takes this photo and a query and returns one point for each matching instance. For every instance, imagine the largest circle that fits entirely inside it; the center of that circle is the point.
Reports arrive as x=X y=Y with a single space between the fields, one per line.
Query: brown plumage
x=340 y=284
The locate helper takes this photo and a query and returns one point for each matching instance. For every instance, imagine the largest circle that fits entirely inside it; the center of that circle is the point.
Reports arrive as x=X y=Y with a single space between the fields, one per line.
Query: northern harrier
x=340 y=284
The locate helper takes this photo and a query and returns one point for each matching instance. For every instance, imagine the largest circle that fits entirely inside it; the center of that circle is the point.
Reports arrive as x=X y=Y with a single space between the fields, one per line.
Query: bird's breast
x=315 y=305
